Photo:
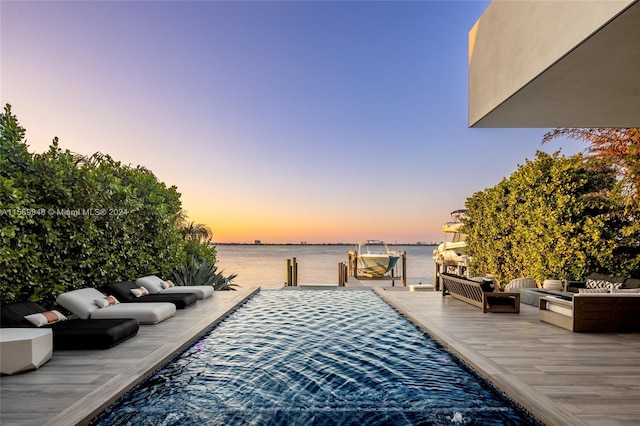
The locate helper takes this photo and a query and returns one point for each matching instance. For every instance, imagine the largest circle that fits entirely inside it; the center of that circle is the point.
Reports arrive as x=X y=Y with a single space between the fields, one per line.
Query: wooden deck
x=562 y=378
x=75 y=386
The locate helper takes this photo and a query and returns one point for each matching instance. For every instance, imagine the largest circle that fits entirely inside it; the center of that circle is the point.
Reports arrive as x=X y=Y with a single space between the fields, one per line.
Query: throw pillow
x=632 y=283
x=44 y=318
x=592 y=283
x=612 y=287
x=106 y=301
x=167 y=284
x=487 y=286
x=139 y=292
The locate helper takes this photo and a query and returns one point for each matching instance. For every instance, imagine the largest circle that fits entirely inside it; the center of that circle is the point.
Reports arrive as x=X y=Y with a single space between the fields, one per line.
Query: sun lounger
x=82 y=303
x=123 y=291
x=156 y=285
x=73 y=333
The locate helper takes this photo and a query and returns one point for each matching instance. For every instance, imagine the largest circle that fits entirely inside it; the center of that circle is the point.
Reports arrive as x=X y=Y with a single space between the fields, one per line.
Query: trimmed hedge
x=68 y=221
x=554 y=217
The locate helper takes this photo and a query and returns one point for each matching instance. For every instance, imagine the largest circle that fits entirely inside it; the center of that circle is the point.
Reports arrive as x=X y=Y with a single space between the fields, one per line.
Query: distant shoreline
x=432 y=244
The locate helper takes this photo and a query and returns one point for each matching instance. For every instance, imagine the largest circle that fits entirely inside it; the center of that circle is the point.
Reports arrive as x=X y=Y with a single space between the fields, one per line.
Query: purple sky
x=280 y=121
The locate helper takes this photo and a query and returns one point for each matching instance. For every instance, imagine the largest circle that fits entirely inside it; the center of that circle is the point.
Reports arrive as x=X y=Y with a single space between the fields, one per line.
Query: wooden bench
x=471 y=292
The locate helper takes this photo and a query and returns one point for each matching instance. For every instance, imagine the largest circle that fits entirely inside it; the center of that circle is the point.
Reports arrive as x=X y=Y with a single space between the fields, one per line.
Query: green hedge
x=555 y=217
x=68 y=221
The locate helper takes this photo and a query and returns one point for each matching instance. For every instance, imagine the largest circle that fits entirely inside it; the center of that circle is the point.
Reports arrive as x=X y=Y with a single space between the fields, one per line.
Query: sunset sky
x=282 y=121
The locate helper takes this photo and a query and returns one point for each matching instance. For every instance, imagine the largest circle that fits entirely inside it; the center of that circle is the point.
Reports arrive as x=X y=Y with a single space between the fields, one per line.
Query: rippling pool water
x=314 y=357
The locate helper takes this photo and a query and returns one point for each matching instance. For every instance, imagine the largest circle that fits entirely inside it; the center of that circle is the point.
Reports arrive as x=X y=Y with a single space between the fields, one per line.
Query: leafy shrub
x=554 y=217
x=68 y=221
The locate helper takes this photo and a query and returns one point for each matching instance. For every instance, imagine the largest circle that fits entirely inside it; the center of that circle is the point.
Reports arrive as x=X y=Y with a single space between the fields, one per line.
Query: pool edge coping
x=499 y=378
x=83 y=411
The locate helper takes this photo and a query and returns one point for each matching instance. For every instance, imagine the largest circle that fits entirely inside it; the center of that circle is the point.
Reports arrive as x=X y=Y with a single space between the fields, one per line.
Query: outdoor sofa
x=602 y=303
x=84 y=303
x=156 y=285
x=480 y=294
x=128 y=292
x=72 y=333
x=593 y=312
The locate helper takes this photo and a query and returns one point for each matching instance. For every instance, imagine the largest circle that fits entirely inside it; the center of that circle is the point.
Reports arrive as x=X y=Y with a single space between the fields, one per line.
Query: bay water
x=265 y=265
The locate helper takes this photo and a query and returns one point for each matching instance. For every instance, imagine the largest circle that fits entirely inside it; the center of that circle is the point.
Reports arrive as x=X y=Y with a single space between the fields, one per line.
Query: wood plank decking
x=75 y=386
x=563 y=378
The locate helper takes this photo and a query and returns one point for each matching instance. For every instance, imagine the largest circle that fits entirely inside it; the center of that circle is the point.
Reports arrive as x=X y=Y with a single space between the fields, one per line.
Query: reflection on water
x=314 y=358
x=266 y=265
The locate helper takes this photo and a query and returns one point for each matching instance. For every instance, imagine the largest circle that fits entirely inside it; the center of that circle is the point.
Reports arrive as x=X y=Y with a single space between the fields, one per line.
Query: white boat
x=374 y=259
x=452 y=250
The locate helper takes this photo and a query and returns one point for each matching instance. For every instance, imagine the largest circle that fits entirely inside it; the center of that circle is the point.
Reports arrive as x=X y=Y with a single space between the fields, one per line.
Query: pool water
x=314 y=357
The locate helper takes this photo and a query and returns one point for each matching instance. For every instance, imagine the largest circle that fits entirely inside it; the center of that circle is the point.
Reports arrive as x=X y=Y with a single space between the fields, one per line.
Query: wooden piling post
x=404 y=269
x=355 y=266
x=294 y=265
x=289 y=275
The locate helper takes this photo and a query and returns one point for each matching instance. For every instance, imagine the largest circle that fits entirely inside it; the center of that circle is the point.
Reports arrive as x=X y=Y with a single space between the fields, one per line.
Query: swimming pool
x=314 y=357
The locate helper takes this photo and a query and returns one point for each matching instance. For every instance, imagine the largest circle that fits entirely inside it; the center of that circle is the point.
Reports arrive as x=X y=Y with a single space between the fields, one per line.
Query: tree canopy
x=554 y=217
x=69 y=221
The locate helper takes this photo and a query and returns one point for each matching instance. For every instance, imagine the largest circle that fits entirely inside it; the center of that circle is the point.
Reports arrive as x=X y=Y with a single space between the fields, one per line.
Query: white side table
x=23 y=349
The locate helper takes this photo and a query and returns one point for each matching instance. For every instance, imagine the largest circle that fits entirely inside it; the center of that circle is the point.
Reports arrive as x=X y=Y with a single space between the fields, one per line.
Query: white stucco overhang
x=558 y=63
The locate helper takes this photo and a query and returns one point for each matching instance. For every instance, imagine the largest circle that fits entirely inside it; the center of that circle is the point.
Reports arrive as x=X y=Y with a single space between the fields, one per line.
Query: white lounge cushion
x=151 y=283
x=626 y=290
x=82 y=303
x=593 y=290
x=154 y=285
x=145 y=313
x=201 y=291
x=560 y=309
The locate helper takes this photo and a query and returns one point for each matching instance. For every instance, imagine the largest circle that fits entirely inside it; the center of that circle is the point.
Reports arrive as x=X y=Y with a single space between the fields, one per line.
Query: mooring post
x=404 y=269
x=355 y=266
x=295 y=271
x=288 y=272
x=351 y=262
x=436 y=282
x=340 y=274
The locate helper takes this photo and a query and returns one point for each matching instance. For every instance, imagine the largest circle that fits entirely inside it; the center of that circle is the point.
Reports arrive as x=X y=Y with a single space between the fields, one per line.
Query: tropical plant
x=554 y=217
x=202 y=272
x=196 y=231
x=197 y=239
x=618 y=148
